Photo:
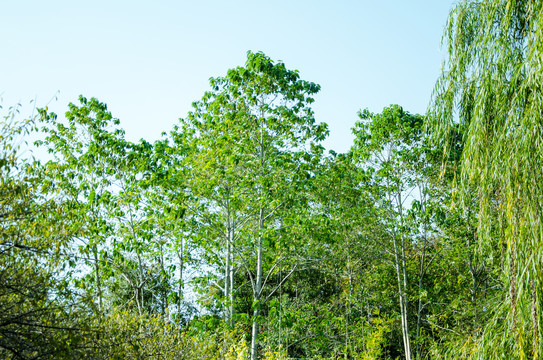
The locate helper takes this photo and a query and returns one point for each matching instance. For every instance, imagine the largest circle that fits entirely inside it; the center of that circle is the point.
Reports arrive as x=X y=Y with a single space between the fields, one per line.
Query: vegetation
x=239 y=236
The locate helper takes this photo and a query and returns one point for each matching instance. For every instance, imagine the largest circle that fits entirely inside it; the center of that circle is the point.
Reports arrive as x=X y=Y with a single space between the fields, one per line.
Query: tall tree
x=389 y=145
x=164 y=181
x=491 y=86
x=85 y=150
x=258 y=125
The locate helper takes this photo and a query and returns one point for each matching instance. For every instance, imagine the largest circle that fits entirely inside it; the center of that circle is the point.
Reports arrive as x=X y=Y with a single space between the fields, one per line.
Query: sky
x=149 y=60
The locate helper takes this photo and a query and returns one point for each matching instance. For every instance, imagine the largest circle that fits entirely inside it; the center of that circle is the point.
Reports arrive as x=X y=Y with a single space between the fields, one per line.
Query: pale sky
x=149 y=60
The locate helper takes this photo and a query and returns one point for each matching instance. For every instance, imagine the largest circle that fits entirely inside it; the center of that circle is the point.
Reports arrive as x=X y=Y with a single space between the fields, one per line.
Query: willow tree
x=492 y=87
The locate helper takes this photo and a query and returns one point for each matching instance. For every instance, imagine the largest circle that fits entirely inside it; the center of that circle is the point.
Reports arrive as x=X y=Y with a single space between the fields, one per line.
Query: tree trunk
x=419 y=308
x=422 y=272
x=180 y=283
x=141 y=276
x=403 y=302
x=97 y=276
x=258 y=289
x=165 y=302
x=401 y=269
x=404 y=294
x=232 y=269
x=227 y=272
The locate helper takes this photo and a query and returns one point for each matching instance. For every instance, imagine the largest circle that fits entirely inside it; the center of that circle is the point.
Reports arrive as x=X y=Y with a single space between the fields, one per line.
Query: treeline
x=237 y=235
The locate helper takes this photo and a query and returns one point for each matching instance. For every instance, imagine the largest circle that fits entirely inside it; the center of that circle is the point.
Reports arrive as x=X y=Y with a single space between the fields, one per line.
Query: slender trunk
x=232 y=268
x=419 y=308
x=404 y=275
x=227 y=272
x=422 y=272
x=180 y=283
x=165 y=304
x=97 y=276
x=227 y=269
x=401 y=271
x=403 y=303
x=258 y=280
x=141 y=304
x=258 y=288
x=348 y=310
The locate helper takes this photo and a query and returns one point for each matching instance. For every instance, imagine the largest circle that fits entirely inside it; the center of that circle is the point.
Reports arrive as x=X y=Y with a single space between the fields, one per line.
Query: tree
x=39 y=315
x=491 y=88
x=121 y=204
x=81 y=172
x=211 y=155
x=165 y=182
x=389 y=145
x=257 y=139
x=328 y=309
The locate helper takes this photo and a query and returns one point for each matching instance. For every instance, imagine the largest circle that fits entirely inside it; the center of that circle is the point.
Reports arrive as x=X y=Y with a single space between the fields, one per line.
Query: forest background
x=237 y=234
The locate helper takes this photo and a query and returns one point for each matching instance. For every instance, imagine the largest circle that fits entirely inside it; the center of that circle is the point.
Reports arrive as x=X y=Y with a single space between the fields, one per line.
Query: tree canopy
x=237 y=235
x=491 y=89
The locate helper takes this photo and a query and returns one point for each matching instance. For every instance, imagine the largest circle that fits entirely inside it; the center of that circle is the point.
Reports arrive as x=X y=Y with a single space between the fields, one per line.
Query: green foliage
x=127 y=335
x=237 y=237
x=252 y=143
x=39 y=317
x=491 y=89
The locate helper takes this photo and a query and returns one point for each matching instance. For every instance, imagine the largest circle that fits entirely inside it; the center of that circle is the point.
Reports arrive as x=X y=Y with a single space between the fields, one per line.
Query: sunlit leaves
x=491 y=88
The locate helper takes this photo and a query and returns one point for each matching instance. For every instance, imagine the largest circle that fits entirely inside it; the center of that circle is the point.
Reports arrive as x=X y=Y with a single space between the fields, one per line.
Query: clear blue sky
x=149 y=60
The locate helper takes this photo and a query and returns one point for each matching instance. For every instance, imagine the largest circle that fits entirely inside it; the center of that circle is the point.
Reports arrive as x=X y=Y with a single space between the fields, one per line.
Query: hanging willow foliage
x=492 y=88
